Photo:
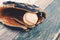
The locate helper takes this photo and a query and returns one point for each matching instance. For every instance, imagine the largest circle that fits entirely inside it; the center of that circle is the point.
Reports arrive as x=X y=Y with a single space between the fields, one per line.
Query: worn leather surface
x=44 y=31
x=48 y=29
